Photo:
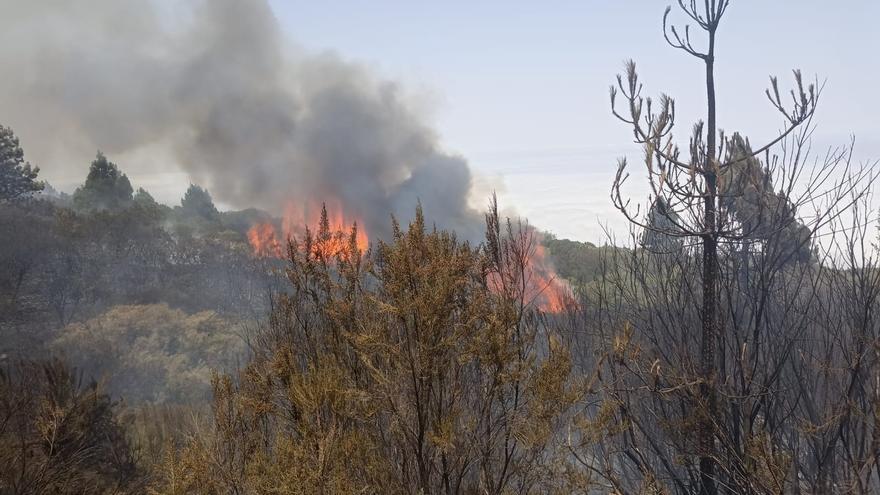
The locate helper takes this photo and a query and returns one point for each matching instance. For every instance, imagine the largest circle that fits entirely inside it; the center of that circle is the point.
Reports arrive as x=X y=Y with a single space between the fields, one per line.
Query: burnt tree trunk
x=709 y=336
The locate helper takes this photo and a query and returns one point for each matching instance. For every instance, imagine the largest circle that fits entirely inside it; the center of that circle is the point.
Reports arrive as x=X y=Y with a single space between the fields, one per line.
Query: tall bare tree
x=696 y=190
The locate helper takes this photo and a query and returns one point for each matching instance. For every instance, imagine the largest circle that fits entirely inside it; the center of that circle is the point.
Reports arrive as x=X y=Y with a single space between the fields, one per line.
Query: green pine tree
x=197 y=202
x=106 y=187
x=17 y=177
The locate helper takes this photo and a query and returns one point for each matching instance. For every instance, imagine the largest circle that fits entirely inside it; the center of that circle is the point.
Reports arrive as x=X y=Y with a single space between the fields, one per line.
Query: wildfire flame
x=267 y=243
x=533 y=279
x=296 y=220
x=548 y=291
x=541 y=285
x=264 y=240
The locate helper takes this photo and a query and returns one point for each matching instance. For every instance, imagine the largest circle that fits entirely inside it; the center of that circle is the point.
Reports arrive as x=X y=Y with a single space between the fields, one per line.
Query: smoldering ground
x=227 y=98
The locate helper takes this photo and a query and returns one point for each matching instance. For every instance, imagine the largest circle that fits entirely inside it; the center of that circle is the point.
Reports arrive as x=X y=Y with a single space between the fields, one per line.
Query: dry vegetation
x=733 y=346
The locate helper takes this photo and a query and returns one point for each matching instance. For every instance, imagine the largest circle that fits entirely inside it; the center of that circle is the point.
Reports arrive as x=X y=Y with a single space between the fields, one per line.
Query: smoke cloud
x=224 y=96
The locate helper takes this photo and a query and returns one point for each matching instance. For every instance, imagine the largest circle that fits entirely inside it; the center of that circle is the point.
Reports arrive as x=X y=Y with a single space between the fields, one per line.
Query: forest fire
x=544 y=287
x=538 y=283
x=297 y=219
x=264 y=240
x=529 y=275
x=267 y=243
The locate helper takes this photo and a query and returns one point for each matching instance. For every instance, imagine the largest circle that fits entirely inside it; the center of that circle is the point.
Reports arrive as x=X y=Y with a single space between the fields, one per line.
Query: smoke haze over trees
x=359 y=328
x=224 y=95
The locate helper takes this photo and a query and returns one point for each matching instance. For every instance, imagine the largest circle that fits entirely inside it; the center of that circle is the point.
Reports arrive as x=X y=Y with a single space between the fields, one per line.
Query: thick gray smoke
x=226 y=98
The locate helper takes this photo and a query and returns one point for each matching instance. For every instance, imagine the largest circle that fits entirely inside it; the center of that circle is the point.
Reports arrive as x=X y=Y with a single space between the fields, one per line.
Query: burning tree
x=718 y=205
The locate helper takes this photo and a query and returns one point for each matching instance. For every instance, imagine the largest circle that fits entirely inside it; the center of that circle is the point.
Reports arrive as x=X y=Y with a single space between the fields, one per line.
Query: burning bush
x=418 y=366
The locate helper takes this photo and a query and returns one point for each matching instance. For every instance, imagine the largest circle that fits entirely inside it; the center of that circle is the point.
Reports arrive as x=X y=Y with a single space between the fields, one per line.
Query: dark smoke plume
x=222 y=94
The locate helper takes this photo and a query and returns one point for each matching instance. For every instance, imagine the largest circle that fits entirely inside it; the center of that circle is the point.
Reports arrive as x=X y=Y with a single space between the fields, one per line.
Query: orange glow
x=264 y=238
x=537 y=283
x=550 y=292
x=298 y=217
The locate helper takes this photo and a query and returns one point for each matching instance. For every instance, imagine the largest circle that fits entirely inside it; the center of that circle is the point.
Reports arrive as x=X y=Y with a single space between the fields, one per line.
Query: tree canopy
x=106 y=187
x=197 y=202
x=662 y=222
x=17 y=177
x=747 y=196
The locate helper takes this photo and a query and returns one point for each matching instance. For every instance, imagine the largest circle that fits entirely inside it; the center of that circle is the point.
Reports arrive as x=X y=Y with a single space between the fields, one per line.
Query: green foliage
x=69 y=265
x=152 y=353
x=17 y=177
x=144 y=199
x=764 y=215
x=578 y=262
x=105 y=187
x=241 y=221
x=662 y=223
x=197 y=202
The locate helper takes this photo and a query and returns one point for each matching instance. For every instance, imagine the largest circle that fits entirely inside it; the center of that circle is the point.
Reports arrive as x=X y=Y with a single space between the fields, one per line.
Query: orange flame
x=542 y=286
x=537 y=283
x=296 y=219
x=549 y=292
x=264 y=238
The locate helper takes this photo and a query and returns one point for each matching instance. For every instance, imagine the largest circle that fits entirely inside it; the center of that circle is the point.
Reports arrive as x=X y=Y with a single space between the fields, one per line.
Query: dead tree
x=698 y=190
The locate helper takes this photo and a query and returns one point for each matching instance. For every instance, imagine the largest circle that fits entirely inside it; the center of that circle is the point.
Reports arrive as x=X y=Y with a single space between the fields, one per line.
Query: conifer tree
x=197 y=202
x=17 y=177
x=106 y=187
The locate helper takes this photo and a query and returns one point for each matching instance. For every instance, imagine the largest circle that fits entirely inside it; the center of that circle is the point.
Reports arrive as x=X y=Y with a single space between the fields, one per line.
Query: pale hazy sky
x=521 y=88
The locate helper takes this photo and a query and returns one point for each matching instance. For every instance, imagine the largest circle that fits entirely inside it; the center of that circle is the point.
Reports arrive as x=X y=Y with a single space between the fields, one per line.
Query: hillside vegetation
x=730 y=346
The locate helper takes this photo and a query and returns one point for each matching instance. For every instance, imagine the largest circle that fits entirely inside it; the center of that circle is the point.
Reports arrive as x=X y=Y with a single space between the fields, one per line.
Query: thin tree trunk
x=706 y=435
